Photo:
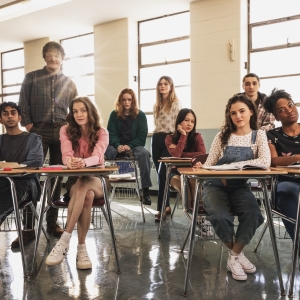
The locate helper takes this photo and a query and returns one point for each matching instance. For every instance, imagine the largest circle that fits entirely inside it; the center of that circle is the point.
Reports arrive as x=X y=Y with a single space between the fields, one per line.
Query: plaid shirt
x=265 y=120
x=45 y=97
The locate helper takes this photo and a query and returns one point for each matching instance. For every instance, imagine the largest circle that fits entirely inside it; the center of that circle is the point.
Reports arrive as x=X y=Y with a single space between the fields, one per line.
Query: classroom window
x=164 y=49
x=79 y=63
x=12 y=71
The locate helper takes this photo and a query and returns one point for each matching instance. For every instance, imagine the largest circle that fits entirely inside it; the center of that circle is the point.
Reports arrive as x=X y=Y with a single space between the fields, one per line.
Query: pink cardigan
x=91 y=158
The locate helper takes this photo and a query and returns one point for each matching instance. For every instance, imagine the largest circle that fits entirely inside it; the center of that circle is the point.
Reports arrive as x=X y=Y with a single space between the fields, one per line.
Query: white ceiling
x=78 y=17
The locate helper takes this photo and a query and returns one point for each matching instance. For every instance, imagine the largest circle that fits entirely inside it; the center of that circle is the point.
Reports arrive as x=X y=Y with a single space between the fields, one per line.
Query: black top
x=285 y=145
x=125 y=135
x=10 y=149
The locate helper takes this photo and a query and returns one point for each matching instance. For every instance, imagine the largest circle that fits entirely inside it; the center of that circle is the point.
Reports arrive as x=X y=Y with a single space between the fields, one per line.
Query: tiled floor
x=151 y=268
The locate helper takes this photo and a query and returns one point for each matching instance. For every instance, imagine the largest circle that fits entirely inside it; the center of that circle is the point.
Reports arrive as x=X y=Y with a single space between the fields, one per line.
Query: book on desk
x=234 y=167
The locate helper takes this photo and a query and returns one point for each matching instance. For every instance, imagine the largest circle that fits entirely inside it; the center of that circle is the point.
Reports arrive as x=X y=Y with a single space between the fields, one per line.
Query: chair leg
x=261 y=236
x=37 y=218
x=175 y=205
x=185 y=240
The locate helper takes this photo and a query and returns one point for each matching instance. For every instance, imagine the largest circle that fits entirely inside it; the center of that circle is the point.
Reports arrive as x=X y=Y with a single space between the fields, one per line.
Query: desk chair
x=133 y=180
x=102 y=203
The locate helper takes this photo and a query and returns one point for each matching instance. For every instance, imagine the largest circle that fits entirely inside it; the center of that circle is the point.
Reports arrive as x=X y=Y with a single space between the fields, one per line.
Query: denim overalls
x=222 y=202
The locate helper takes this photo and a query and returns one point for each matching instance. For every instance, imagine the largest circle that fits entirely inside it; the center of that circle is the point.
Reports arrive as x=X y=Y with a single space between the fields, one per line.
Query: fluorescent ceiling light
x=19 y=8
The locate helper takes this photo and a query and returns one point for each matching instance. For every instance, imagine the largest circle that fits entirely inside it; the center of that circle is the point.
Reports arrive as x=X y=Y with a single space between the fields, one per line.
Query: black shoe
x=258 y=202
x=146 y=197
x=28 y=235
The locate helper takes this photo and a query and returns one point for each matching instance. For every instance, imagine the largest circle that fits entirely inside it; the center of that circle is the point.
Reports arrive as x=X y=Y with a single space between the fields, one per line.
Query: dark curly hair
x=229 y=126
x=190 y=145
x=74 y=130
x=270 y=102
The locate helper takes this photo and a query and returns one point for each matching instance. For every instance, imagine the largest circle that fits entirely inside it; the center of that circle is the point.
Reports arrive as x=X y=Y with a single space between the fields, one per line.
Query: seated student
x=83 y=143
x=24 y=148
x=128 y=129
x=184 y=142
x=251 y=85
x=240 y=142
x=284 y=146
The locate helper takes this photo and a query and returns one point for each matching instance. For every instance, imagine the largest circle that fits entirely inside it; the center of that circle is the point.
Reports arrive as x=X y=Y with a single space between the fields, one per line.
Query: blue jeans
x=142 y=156
x=287 y=202
x=223 y=203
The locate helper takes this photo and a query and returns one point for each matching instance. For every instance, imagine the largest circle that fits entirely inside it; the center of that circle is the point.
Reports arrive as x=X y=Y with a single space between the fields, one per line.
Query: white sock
x=66 y=237
x=81 y=247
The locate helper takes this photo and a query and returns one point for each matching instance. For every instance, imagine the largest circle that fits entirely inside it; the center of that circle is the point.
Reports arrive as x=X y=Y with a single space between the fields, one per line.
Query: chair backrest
x=200 y=157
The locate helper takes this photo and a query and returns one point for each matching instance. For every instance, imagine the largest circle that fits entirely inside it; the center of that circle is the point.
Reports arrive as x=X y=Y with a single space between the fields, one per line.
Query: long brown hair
x=134 y=110
x=172 y=97
x=229 y=126
x=74 y=130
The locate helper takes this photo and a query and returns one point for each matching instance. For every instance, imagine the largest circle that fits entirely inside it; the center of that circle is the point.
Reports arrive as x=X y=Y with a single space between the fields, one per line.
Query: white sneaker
x=82 y=260
x=234 y=266
x=247 y=266
x=58 y=253
x=205 y=227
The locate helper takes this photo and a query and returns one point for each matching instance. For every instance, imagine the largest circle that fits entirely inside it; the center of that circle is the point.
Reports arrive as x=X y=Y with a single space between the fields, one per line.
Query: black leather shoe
x=28 y=235
x=53 y=229
x=146 y=197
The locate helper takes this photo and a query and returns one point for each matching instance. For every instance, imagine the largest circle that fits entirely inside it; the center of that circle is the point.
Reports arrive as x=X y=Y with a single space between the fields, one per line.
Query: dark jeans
x=287 y=202
x=159 y=150
x=6 y=207
x=51 y=142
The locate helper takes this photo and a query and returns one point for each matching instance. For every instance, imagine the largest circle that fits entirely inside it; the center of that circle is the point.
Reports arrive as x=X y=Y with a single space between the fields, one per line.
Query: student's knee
x=89 y=198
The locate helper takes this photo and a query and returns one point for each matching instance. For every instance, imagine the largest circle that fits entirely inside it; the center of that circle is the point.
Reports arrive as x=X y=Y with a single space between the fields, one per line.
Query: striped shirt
x=45 y=97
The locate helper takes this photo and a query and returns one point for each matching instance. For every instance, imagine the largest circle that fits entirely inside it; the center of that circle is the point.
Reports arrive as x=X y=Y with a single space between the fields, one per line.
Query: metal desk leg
x=45 y=193
x=139 y=189
x=110 y=222
x=18 y=223
x=192 y=234
x=163 y=209
x=272 y=233
x=295 y=251
x=184 y=196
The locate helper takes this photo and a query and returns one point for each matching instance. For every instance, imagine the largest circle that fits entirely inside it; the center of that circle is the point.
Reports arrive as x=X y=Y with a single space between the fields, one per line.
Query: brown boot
x=28 y=235
x=54 y=229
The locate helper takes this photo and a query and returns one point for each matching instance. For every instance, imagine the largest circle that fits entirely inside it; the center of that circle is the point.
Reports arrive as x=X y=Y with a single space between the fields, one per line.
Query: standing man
x=23 y=148
x=251 y=85
x=44 y=100
x=128 y=129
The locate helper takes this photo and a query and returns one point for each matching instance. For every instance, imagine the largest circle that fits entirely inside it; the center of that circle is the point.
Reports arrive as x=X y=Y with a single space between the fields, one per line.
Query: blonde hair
x=134 y=110
x=172 y=97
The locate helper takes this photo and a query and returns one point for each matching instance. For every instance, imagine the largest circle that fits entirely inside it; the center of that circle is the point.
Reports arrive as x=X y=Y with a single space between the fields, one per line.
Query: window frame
x=3 y=86
x=80 y=56
x=270 y=48
x=158 y=42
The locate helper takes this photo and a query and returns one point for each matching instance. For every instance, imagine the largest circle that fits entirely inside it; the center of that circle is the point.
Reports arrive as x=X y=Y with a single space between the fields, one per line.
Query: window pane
x=166 y=52
x=13 y=76
x=147 y=100
x=79 y=45
x=272 y=9
x=11 y=89
x=13 y=98
x=85 y=85
x=13 y=59
x=79 y=66
x=150 y=122
x=165 y=28
x=180 y=73
x=184 y=96
x=276 y=62
x=276 y=34
x=289 y=84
